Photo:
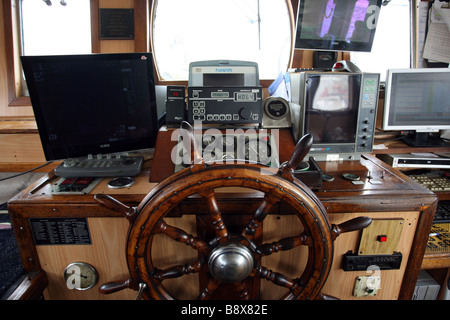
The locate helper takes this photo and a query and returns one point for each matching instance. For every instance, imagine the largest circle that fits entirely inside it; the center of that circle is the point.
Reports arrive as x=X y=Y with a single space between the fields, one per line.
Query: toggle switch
x=382 y=238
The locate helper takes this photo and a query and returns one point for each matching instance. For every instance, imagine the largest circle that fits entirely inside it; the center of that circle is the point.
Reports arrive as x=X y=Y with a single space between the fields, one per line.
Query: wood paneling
x=21 y=148
x=106 y=255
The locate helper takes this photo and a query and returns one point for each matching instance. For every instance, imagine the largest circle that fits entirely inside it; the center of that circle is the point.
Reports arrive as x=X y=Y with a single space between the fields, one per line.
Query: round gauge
x=80 y=276
x=256 y=151
x=121 y=182
x=276 y=108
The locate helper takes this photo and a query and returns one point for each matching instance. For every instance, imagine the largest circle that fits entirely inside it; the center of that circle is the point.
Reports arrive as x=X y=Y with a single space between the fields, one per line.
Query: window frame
x=292 y=9
x=12 y=42
x=144 y=10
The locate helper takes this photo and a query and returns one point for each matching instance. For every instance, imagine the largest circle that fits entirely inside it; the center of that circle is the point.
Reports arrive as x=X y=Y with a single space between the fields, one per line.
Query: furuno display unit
x=418 y=100
x=219 y=73
x=338 y=109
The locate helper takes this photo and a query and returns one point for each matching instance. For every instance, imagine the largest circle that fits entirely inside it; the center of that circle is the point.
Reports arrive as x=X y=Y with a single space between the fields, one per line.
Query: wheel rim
x=150 y=221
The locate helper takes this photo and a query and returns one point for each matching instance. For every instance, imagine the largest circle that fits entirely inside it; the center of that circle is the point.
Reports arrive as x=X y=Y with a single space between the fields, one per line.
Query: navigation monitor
x=418 y=100
x=344 y=25
x=338 y=109
x=92 y=104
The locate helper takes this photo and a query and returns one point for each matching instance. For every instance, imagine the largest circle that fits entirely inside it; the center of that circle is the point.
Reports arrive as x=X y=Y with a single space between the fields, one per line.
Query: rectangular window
x=55 y=27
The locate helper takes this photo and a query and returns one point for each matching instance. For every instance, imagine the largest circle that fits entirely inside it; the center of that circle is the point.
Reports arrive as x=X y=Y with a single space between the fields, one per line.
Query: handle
x=300 y=151
x=114 y=286
x=350 y=225
x=142 y=287
x=110 y=203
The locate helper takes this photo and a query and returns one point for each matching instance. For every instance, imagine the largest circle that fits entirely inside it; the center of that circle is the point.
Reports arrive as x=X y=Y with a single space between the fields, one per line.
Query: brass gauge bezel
x=87 y=271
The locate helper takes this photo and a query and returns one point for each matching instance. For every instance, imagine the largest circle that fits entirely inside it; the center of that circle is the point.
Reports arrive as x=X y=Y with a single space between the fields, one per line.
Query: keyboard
x=100 y=166
x=442 y=214
x=436 y=181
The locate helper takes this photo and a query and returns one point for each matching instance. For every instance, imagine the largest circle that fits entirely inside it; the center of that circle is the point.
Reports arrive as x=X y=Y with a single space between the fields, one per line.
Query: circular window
x=196 y=30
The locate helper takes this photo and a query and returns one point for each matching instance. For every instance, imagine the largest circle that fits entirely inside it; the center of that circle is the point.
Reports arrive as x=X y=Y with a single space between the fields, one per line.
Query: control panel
x=100 y=166
x=367 y=112
x=225 y=105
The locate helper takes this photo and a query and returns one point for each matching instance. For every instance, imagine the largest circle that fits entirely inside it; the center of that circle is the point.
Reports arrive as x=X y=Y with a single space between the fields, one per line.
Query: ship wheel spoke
x=177 y=271
x=285 y=244
x=260 y=214
x=242 y=289
x=220 y=228
x=183 y=237
x=278 y=279
x=209 y=290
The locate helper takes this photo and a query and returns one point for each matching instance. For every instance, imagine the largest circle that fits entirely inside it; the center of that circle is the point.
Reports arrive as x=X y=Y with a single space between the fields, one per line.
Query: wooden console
x=381 y=193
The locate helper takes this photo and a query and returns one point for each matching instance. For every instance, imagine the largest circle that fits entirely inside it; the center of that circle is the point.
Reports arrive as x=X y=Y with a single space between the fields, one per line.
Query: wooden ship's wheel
x=229 y=258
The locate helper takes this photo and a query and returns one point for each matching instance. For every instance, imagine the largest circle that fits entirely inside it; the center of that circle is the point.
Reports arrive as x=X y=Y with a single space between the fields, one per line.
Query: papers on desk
x=437 y=43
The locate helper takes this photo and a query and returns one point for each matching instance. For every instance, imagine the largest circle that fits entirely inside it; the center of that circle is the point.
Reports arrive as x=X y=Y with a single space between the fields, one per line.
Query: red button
x=382 y=238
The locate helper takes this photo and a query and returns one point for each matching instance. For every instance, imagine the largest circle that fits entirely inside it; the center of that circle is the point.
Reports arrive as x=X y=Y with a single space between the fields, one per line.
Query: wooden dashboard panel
x=381 y=193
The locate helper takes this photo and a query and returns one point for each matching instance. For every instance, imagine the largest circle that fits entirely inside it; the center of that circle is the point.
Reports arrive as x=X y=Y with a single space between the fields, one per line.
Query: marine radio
x=225 y=105
x=224 y=92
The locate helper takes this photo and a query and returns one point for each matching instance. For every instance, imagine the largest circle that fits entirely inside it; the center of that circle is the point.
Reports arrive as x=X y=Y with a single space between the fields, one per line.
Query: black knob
x=245 y=113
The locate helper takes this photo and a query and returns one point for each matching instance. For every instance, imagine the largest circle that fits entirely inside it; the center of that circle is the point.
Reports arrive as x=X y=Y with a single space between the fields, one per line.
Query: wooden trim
x=9 y=11
x=141 y=26
x=417 y=252
x=292 y=18
x=31 y=288
x=436 y=260
x=95 y=26
x=25 y=166
x=7 y=18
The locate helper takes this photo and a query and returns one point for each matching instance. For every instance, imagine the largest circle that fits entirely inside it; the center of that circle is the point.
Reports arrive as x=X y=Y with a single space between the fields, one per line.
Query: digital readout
x=244 y=96
x=220 y=94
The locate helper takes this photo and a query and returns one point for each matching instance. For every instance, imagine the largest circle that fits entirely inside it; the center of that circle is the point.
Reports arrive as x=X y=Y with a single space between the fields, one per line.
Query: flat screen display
x=331 y=107
x=417 y=99
x=337 y=25
x=92 y=104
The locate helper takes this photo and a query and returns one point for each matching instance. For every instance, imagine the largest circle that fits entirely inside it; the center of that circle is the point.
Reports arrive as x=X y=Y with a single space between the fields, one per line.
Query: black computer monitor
x=92 y=104
x=337 y=25
x=418 y=100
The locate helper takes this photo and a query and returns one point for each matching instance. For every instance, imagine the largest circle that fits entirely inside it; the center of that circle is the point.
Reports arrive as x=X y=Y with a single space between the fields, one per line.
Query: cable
x=22 y=173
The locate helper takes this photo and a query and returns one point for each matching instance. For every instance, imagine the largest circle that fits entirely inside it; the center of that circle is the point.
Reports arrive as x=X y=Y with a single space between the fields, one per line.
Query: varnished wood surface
x=393 y=195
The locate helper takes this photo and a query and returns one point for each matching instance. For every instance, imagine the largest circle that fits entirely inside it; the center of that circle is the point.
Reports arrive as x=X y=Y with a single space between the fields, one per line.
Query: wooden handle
x=326 y=297
x=115 y=205
x=350 y=225
x=114 y=286
x=300 y=151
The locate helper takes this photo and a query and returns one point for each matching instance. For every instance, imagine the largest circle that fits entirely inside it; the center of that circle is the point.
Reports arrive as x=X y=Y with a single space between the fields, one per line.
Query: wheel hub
x=231 y=262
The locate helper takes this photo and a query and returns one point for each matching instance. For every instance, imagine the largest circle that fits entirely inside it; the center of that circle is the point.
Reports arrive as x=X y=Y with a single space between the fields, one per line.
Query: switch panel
x=366 y=286
x=381 y=237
